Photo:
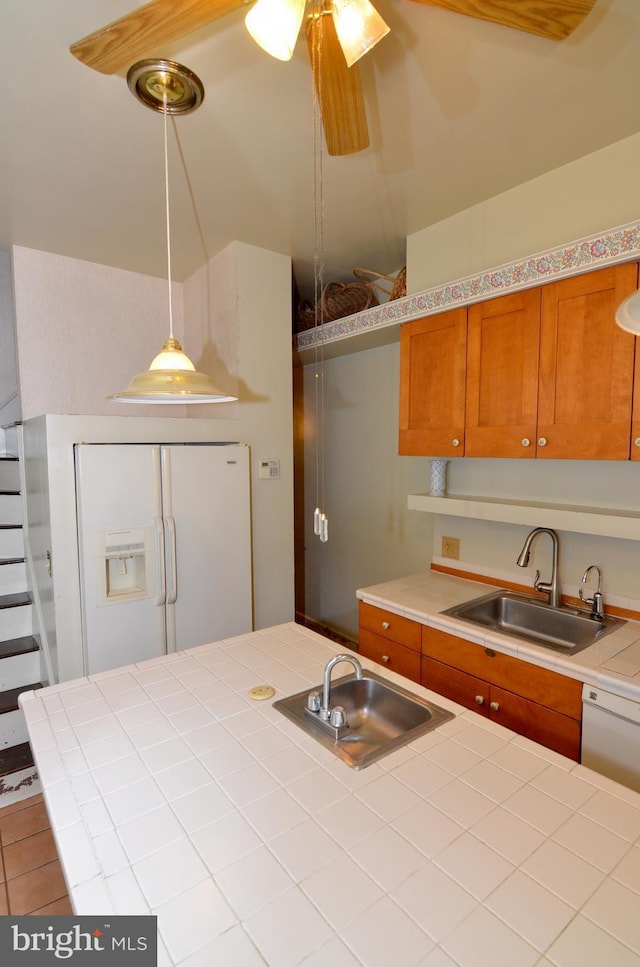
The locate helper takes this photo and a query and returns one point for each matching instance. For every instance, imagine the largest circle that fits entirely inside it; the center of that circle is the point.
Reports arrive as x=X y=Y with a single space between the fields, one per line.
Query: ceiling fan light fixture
x=359 y=27
x=628 y=314
x=275 y=24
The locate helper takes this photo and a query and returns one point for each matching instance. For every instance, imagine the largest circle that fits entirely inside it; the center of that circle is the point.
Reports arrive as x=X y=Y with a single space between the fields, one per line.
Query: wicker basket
x=338 y=299
x=344 y=298
x=398 y=288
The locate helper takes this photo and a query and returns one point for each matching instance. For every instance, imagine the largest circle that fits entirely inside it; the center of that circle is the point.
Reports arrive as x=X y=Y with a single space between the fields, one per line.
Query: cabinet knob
x=542 y=442
x=526 y=442
x=455 y=442
x=637 y=441
x=479 y=699
x=385 y=625
x=494 y=706
x=385 y=659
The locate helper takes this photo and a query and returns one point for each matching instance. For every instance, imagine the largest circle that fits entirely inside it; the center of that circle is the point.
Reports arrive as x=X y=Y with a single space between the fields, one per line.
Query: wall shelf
x=603 y=521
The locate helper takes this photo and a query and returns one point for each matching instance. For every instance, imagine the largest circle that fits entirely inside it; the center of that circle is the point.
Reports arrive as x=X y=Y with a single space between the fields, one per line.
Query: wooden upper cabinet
x=586 y=367
x=635 y=416
x=432 y=385
x=503 y=338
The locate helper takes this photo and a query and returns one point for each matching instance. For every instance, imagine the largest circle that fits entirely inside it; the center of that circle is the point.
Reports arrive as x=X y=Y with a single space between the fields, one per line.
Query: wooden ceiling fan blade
x=338 y=87
x=123 y=42
x=554 y=19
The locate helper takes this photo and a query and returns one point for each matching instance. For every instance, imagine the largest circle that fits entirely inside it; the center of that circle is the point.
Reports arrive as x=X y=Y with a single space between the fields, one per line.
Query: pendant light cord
x=166 y=198
x=320 y=518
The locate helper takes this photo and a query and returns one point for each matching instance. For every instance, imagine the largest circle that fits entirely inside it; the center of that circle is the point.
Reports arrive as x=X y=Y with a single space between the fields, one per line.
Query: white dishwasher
x=611 y=735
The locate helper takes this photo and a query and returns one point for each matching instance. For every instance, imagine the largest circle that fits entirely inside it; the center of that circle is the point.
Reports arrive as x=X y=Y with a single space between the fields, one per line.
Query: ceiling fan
x=119 y=44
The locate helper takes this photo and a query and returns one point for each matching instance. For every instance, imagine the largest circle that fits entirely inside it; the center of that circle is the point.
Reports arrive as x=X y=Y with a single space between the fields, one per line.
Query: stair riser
x=11 y=542
x=15 y=622
x=13 y=578
x=10 y=439
x=13 y=729
x=10 y=509
x=9 y=475
x=19 y=670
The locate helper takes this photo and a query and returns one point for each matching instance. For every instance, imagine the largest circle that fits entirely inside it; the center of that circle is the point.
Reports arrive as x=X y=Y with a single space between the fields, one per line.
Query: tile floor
x=31 y=879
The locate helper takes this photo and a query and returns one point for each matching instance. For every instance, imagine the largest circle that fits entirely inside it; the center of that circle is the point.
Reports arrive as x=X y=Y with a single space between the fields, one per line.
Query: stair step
x=15 y=600
x=15 y=758
x=18 y=646
x=9 y=699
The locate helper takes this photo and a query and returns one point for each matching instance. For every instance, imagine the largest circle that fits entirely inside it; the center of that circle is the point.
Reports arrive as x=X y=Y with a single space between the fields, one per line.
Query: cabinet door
x=464 y=689
x=540 y=685
x=586 y=367
x=543 y=725
x=399 y=659
x=432 y=385
x=503 y=337
x=635 y=418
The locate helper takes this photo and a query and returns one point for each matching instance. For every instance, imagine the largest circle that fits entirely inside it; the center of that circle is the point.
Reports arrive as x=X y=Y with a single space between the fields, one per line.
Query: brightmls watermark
x=78 y=941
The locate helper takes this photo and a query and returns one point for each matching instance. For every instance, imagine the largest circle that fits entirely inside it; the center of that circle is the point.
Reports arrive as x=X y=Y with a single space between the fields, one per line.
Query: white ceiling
x=458 y=109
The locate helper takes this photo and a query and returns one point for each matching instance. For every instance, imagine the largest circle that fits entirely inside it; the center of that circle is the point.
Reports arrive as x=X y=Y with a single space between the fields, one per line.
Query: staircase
x=19 y=648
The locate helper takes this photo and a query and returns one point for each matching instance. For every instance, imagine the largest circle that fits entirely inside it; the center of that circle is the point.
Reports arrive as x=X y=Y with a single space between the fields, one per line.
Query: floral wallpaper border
x=616 y=245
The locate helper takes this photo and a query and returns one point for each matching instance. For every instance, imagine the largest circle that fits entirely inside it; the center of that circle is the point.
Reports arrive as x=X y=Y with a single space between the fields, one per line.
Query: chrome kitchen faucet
x=552 y=587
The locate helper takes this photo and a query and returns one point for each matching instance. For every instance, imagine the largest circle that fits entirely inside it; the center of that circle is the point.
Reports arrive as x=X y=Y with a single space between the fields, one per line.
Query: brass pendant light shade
x=171 y=378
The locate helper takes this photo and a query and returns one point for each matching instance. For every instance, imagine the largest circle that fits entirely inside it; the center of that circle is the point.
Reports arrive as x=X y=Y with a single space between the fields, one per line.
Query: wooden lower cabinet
x=391 y=640
x=532 y=701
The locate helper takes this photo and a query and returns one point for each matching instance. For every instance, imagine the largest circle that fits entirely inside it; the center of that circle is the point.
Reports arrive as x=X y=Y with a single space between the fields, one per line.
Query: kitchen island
x=171 y=791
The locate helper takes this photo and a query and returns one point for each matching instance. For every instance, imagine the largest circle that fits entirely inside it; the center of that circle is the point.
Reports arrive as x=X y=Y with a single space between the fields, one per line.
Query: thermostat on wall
x=268 y=469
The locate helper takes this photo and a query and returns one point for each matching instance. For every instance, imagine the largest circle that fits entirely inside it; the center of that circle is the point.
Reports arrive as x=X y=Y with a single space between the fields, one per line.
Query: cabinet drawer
x=391 y=626
x=464 y=689
x=538 y=684
x=544 y=725
x=399 y=659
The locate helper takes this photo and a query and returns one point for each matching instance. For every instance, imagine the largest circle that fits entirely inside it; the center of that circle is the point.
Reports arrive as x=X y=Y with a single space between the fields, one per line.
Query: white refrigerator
x=164 y=543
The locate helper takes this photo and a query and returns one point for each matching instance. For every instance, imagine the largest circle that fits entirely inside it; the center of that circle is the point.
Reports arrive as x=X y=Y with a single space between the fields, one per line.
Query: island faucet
x=552 y=587
x=325 y=709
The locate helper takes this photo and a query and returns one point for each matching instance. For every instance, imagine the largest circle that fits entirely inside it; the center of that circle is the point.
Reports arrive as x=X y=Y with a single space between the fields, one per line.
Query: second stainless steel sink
x=380 y=717
x=564 y=628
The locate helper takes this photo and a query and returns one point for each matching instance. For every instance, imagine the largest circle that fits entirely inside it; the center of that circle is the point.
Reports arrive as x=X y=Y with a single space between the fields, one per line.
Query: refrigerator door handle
x=172 y=584
x=161 y=596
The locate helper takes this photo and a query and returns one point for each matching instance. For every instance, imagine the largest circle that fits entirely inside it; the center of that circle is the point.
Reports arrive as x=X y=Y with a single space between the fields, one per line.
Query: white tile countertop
x=613 y=663
x=171 y=792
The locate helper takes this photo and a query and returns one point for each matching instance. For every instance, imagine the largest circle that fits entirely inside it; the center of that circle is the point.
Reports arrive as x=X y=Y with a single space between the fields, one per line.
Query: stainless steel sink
x=380 y=717
x=567 y=629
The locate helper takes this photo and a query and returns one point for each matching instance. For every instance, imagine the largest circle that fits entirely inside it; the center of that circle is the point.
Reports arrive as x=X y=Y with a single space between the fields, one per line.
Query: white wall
x=246 y=291
x=83 y=330
x=597 y=192
x=9 y=401
x=249 y=334
x=370 y=483
x=372 y=535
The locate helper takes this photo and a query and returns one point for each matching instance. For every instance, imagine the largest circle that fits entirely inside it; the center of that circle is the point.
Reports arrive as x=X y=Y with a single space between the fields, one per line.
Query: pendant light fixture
x=628 y=314
x=166 y=86
x=320 y=518
x=274 y=25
